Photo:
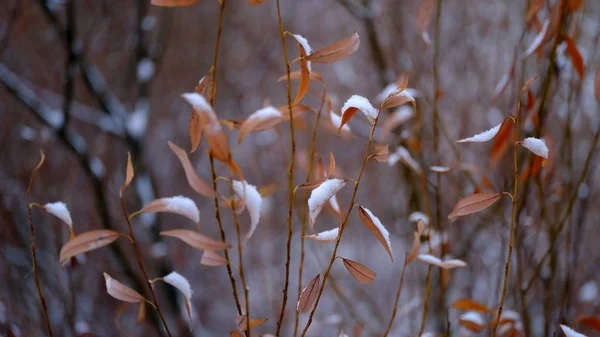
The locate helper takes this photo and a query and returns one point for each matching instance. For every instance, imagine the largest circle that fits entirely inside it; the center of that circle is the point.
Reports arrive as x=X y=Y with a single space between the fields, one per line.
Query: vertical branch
x=342 y=227
x=140 y=263
x=36 y=272
x=212 y=161
x=290 y=172
x=304 y=219
x=398 y=292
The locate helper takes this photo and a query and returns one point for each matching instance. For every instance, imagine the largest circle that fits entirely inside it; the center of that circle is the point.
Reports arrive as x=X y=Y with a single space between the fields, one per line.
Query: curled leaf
x=213 y=259
x=178 y=204
x=359 y=271
x=263 y=119
x=321 y=195
x=121 y=292
x=308 y=295
x=336 y=51
x=486 y=135
x=326 y=236
x=575 y=55
x=182 y=284
x=536 y=146
x=414 y=251
x=473 y=204
x=193 y=179
x=59 y=209
x=398 y=97
x=473 y=321
x=86 y=242
x=468 y=304
x=354 y=104
x=196 y=239
x=253 y=201
x=374 y=225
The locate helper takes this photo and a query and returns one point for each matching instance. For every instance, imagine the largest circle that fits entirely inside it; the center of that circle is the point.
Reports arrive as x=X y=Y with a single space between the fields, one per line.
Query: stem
x=398 y=292
x=236 y=223
x=342 y=228
x=138 y=257
x=513 y=223
x=304 y=219
x=290 y=173
x=36 y=273
x=212 y=162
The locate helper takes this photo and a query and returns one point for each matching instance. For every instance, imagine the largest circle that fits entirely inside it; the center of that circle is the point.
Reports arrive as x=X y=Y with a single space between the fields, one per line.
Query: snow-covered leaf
x=321 y=195
x=570 y=332
x=536 y=146
x=354 y=104
x=486 y=135
x=253 y=201
x=59 y=209
x=446 y=264
x=182 y=284
x=178 y=204
x=263 y=119
x=376 y=227
x=538 y=40
x=473 y=321
x=326 y=236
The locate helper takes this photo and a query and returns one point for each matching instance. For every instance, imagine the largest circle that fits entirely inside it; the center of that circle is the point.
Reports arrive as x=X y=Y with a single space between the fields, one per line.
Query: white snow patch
x=361 y=103
x=537 y=146
x=320 y=195
x=483 y=136
x=181 y=283
x=252 y=199
x=59 y=209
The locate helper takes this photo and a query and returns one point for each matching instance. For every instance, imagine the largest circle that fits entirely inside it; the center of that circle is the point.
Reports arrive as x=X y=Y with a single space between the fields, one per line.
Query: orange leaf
x=262 y=119
x=86 y=242
x=308 y=295
x=575 y=55
x=196 y=239
x=398 y=97
x=501 y=142
x=359 y=271
x=589 y=321
x=538 y=41
x=297 y=74
x=376 y=227
x=213 y=259
x=122 y=292
x=193 y=179
x=467 y=304
x=473 y=204
x=304 y=76
x=242 y=324
x=382 y=153
x=173 y=3
x=255 y=2
x=336 y=51
x=414 y=251
x=472 y=321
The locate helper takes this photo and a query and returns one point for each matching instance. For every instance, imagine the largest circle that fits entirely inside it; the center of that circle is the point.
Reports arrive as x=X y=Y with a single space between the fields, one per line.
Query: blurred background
x=88 y=80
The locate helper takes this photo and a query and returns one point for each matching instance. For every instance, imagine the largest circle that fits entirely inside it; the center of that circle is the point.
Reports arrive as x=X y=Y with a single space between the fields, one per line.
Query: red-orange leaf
x=196 y=239
x=359 y=271
x=473 y=204
x=589 y=321
x=86 y=242
x=309 y=295
x=467 y=304
x=336 y=51
x=575 y=55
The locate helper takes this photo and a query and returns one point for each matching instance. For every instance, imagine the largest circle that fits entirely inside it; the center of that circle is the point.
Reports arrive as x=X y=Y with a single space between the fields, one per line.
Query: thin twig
x=140 y=263
x=398 y=292
x=290 y=172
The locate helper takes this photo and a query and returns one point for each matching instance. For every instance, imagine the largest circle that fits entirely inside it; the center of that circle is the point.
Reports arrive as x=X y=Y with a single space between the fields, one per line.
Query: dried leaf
x=212 y=259
x=304 y=72
x=263 y=119
x=589 y=321
x=376 y=227
x=336 y=51
x=173 y=3
x=178 y=204
x=326 y=236
x=502 y=140
x=321 y=195
x=129 y=172
x=309 y=295
x=331 y=168
x=536 y=146
x=359 y=271
x=473 y=204
x=196 y=239
x=354 y=104
x=122 y=292
x=486 y=135
x=537 y=42
x=570 y=332
x=183 y=285
x=196 y=124
x=416 y=242
x=423 y=19
x=297 y=74
x=242 y=324
x=235 y=334
x=382 y=153
x=399 y=97
x=193 y=179
x=86 y=242
x=468 y=304
x=575 y=55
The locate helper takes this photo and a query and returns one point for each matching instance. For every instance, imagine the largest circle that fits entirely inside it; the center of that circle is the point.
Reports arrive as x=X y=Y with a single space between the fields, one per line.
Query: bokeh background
x=117 y=70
